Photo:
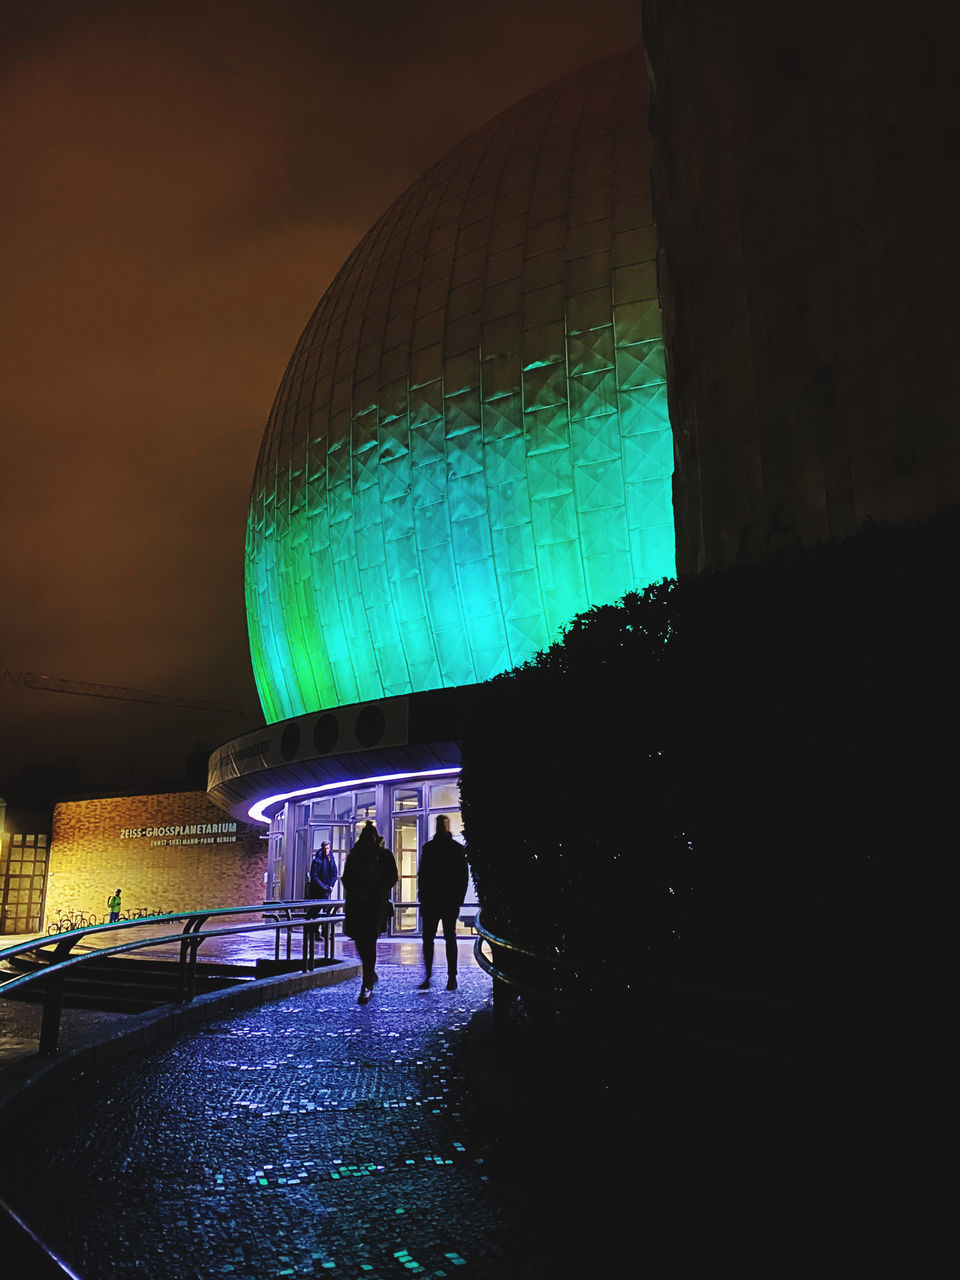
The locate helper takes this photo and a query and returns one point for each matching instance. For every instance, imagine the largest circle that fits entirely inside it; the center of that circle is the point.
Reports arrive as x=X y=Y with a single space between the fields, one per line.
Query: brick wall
x=151 y=848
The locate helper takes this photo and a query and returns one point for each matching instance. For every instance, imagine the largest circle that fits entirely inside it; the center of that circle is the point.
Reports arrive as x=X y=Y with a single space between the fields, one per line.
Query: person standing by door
x=441 y=888
x=322 y=878
x=369 y=873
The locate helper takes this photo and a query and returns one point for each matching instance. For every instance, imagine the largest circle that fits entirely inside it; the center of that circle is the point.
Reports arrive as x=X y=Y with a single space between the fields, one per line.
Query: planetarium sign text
x=184 y=833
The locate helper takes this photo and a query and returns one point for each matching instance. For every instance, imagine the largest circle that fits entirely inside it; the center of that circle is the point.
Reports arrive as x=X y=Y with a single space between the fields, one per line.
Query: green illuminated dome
x=471 y=444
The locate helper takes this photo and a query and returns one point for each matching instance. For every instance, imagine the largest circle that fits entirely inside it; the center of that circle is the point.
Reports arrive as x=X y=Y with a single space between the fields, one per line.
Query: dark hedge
x=739 y=778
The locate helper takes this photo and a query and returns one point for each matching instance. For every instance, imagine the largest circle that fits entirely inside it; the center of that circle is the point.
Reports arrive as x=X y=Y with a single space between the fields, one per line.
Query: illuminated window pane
x=406 y=799
x=405 y=920
x=444 y=795
x=366 y=804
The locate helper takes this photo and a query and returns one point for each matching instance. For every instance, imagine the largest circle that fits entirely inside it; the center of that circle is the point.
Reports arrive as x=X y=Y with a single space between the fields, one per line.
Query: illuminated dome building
x=469 y=446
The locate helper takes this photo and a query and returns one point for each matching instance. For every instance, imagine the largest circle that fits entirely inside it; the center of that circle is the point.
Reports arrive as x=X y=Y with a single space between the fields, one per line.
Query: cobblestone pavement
x=311 y=1136
x=20 y=1020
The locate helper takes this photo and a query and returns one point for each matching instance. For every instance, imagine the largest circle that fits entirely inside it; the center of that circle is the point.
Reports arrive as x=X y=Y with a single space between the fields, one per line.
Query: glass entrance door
x=338 y=836
x=406 y=848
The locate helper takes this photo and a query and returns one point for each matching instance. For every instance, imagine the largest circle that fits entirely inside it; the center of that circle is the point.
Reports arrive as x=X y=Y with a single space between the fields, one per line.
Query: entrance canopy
x=253 y=776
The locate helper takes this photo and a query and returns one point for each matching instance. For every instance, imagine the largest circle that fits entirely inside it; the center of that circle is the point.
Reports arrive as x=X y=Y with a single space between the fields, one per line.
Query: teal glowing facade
x=471 y=443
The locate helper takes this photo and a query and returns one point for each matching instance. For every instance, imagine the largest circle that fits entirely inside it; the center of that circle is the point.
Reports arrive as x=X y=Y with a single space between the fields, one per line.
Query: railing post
x=189 y=946
x=503 y=998
x=53 y=1001
x=54 y=984
x=50 y=1026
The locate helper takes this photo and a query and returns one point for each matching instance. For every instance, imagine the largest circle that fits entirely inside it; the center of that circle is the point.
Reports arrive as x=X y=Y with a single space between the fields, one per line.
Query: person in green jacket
x=113 y=902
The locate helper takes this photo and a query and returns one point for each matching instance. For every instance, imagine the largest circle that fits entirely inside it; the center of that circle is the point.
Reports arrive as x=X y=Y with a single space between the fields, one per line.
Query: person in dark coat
x=369 y=873
x=322 y=878
x=441 y=888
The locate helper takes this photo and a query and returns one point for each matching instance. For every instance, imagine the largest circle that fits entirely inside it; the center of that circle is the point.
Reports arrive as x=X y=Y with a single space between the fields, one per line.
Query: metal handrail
x=190 y=938
x=689 y=988
x=515 y=946
x=511 y=980
x=327 y=910
x=559 y=999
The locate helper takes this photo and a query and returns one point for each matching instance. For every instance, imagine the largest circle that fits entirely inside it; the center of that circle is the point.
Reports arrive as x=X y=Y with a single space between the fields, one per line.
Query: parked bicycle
x=67 y=920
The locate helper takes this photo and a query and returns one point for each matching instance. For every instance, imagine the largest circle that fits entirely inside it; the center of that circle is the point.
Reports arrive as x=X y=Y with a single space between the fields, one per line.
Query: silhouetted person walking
x=369 y=874
x=322 y=878
x=441 y=888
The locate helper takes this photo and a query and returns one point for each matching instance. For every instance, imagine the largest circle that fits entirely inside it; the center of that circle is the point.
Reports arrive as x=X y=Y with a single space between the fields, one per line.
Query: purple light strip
x=256 y=812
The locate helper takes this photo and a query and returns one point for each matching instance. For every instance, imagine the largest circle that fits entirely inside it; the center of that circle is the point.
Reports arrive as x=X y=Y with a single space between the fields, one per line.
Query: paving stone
x=311 y=1136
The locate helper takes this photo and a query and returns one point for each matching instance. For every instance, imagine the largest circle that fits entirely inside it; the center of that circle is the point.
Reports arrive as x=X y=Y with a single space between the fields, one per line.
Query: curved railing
x=738 y=1021
x=276 y=916
x=547 y=977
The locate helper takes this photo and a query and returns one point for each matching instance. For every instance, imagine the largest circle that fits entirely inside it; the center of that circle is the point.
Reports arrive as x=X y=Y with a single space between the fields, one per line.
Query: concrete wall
x=149 y=847
x=805 y=156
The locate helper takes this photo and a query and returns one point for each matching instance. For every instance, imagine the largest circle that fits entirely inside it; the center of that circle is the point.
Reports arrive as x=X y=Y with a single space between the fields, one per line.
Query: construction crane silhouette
x=56 y=684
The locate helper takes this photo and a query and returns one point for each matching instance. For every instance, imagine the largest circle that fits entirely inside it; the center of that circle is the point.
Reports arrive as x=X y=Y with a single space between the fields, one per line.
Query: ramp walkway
x=307 y=1136
x=311 y=1136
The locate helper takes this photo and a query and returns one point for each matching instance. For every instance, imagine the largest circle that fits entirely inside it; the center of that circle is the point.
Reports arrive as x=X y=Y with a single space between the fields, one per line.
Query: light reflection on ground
x=309 y=1136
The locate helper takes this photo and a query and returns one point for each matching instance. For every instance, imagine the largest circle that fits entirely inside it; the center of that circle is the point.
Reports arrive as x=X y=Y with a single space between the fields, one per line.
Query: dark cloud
x=181 y=182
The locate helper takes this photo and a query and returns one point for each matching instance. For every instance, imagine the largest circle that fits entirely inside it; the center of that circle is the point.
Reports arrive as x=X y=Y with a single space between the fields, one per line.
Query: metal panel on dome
x=471 y=442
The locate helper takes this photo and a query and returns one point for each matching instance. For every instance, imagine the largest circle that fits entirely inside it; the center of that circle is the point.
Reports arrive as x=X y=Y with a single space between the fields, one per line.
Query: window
x=23 y=866
x=444 y=795
x=404 y=799
x=343 y=806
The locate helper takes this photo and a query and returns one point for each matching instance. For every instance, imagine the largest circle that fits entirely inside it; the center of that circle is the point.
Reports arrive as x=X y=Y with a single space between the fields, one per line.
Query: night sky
x=181 y=181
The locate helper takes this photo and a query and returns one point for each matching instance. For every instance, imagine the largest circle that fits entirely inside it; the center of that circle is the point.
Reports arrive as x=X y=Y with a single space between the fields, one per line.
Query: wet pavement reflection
x=310 y=1136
